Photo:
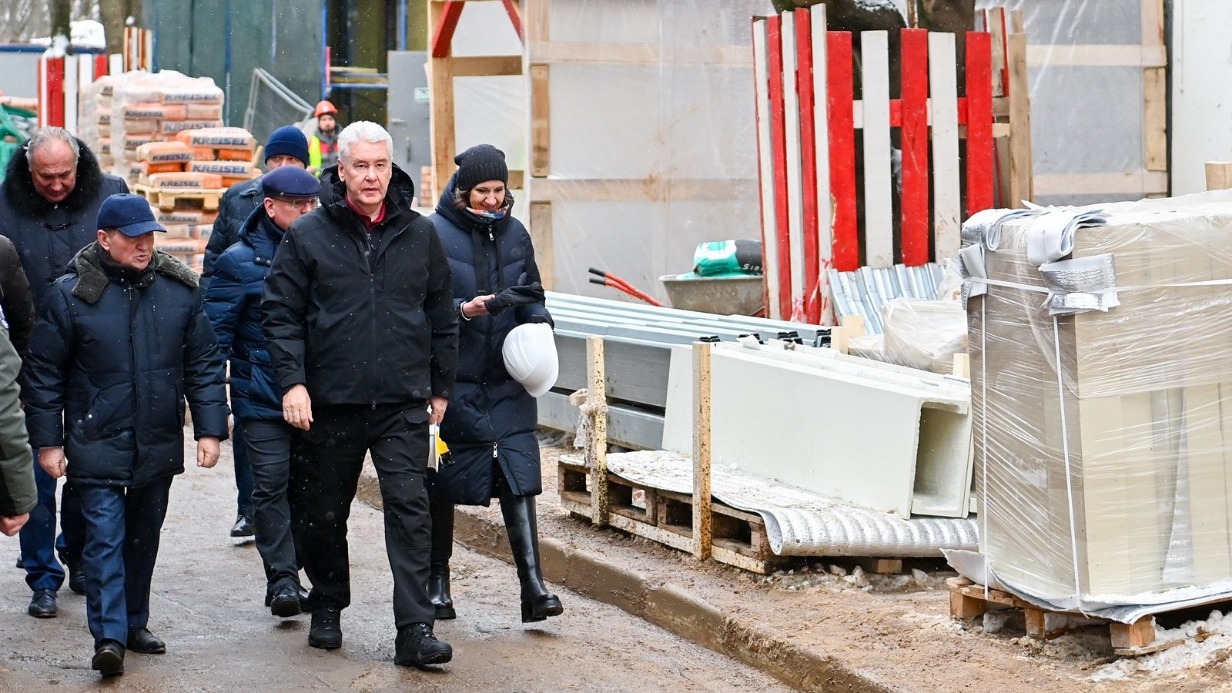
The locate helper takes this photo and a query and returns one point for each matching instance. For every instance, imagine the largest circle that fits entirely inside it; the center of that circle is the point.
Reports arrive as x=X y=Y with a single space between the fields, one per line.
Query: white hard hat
x=530 y=357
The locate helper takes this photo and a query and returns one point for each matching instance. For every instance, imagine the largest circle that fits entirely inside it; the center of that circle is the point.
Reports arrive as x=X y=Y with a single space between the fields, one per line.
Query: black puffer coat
x=234 y=209
x=113 y=356
x=47 y=235
x=233 y=304
x=491 y=417
x=361 y=324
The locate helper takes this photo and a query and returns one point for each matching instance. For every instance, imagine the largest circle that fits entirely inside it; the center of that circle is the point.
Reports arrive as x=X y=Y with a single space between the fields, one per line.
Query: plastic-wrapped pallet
x=155 y=107
x=1102 y=393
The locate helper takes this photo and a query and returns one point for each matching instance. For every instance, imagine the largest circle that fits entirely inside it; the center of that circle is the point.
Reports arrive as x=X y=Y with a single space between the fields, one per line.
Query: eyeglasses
x=301 y=203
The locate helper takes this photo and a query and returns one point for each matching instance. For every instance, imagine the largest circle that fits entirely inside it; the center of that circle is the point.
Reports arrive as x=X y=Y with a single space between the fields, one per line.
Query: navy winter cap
x=289 y=181
x=288 y=140
x=480 y=163
x=129 y=214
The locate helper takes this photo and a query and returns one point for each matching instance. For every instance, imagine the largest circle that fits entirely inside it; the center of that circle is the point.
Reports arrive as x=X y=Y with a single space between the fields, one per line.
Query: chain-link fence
x=271 y=105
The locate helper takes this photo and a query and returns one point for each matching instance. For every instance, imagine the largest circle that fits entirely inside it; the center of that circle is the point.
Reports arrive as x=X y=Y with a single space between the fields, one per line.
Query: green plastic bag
x=715 y=258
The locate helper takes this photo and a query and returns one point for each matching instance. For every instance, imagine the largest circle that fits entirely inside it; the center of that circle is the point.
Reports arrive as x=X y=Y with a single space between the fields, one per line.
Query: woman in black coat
x=490 y=424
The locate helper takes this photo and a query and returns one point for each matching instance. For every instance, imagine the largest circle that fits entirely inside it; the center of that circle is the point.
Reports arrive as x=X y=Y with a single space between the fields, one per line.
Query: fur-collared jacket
x=114 y=354
x=48 y=235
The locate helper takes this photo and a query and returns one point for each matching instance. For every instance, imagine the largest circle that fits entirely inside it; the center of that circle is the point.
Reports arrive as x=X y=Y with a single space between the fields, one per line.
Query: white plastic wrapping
x=1103 y=437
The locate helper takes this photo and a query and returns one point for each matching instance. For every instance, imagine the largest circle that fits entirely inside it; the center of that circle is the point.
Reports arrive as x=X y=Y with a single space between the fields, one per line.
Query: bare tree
x=22 y=20
x=115 y=14
x=61 y=11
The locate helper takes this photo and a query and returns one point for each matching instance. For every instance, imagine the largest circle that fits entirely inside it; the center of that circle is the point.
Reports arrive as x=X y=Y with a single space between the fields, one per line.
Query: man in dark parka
x=48 y=203
x=119 y=344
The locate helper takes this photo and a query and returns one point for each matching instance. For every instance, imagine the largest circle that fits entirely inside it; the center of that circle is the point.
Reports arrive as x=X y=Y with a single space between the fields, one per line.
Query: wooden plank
x=810 y=271
x=943 y=110
x=766 y=188
x=642 y=189
x=791 y=132
x=1152 y=22
x=1128 y=182
x=979 y=122
x=778 y=150
x=1218 y=175
x=1021 y=169
x=441 y=85
x=1155 y=118
x=821 y=160
x=540 y=121
x=878 y=182
x=487 y=65
x=1096 y=55
x=702 y=499
x=914 y=134
x=597 y=445
x=541 y=237
x=661 y=535
x=577 y=52
x=1138 y=634
x=538 y=25
x=840 y=113
x=996 y=32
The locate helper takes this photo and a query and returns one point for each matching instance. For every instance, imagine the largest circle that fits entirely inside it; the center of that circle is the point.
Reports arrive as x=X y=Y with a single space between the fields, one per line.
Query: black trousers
x=269 y=457
x=324 y=475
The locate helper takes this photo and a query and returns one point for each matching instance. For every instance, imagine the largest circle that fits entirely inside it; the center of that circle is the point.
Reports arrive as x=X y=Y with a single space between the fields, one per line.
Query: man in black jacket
x=363 y=335
x=48 y=204
x=119 y=344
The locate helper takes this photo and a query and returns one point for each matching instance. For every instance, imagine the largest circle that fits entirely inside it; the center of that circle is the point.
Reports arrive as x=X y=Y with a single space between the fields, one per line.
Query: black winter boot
x=438 y=563
x=523 y=530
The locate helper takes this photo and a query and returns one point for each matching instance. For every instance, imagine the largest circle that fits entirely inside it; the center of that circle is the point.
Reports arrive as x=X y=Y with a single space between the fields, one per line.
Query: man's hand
x=438 y=405
x=11 y=525
x=297 y=407
x=207 y=451
x=51 y=459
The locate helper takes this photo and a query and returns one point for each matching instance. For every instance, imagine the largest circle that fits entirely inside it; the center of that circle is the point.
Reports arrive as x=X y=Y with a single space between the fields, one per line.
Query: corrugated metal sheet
x=865 y=291
x=800 y=523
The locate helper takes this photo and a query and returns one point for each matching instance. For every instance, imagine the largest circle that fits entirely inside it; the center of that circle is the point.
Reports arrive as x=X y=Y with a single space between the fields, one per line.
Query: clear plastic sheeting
x=919 y=334
x=652 y=142
x=1104 y=438
x=1085 y=64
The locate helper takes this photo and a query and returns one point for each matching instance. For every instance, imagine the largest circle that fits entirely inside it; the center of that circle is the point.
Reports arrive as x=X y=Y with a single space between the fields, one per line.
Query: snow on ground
x=1206 y=642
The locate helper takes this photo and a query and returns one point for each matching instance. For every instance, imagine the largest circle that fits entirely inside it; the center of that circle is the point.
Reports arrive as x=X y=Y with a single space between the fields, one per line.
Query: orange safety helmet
x=324 y=108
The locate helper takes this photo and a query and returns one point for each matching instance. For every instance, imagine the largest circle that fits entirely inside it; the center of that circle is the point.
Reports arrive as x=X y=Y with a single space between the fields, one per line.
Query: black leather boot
x=523 y=530
x=438 y=563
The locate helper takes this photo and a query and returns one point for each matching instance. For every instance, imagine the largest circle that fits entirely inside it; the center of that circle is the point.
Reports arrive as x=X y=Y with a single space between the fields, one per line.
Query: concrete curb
x=669 y=606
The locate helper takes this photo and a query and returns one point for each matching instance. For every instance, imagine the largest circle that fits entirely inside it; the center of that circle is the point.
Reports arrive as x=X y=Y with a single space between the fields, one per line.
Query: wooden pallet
x=739 y=537
x=969 y=601
x=181 y=199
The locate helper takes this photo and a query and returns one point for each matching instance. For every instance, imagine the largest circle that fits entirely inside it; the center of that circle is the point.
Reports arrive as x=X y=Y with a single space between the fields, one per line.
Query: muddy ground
x=894 y=632
x=207 y=605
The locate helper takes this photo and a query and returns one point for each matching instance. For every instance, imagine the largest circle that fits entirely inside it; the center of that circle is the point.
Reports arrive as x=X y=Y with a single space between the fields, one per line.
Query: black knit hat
x=481 y=163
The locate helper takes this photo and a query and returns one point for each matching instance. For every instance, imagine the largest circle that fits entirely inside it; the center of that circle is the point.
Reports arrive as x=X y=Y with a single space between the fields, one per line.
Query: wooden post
x=702 y=530
x=443 y=17
x=1021 y=176
x=541 y=237
x=540 y=122
x=597 y=450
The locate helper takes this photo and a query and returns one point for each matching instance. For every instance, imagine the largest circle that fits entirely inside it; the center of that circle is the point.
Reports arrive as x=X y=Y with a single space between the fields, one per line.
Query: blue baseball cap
x=290 y=181
x=129 y=214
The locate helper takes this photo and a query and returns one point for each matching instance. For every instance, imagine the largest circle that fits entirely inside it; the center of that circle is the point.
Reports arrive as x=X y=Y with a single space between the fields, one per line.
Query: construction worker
x=323 y=147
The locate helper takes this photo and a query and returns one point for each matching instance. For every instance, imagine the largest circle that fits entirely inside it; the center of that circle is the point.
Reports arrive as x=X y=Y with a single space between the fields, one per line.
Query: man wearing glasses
x=233 y=303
